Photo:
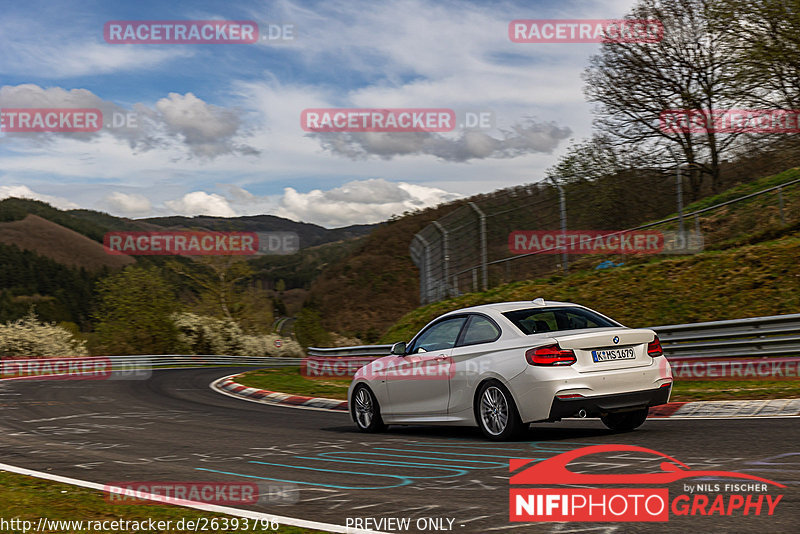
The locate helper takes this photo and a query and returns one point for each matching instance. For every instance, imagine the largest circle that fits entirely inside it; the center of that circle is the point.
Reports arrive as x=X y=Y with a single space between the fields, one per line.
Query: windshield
x=539 y=320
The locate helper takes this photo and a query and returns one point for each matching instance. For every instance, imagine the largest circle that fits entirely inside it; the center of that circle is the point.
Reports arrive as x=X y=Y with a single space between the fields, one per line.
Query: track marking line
x=59 y=418
x=205 y=507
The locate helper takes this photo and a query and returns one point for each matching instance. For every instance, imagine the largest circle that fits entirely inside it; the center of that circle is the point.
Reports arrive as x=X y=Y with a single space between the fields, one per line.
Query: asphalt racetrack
x=173 y=427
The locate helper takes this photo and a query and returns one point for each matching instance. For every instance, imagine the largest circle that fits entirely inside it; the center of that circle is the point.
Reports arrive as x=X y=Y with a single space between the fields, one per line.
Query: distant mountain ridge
x=52 y=258
x=310 y=234
x=94 y=224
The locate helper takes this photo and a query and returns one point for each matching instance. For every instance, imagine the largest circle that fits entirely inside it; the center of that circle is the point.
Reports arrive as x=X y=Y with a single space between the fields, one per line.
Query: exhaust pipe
x=582 y=413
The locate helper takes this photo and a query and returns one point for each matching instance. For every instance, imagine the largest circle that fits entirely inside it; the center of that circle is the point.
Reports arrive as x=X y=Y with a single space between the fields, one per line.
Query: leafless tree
x=692 y=68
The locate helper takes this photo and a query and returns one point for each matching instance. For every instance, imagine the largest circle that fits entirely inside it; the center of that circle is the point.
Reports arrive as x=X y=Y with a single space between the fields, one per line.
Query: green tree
x=217 y=281
x=134 y=313
x=309 y=330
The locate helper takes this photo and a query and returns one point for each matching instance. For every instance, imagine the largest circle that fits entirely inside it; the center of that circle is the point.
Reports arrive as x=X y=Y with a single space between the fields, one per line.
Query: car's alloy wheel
x=625 y=421
x=366 y=412
x=496 y=413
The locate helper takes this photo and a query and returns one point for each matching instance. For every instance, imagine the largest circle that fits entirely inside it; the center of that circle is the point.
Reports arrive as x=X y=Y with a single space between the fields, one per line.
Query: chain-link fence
x=472 y=249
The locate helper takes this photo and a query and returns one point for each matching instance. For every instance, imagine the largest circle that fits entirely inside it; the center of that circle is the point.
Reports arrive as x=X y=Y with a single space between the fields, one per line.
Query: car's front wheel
x=625 y=421
x=496 y=412
x=366 y=412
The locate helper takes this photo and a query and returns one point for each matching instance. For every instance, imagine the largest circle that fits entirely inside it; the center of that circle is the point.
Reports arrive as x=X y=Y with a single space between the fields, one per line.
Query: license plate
x=611 y=355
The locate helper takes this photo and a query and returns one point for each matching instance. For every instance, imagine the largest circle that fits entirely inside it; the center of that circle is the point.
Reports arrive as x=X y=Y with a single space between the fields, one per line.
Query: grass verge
x=749 y=281
x=289 y=380
x=28 y=499
x=699 y=390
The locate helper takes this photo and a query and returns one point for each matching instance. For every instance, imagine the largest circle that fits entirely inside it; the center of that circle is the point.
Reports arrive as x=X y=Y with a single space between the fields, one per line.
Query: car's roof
x=501 y=307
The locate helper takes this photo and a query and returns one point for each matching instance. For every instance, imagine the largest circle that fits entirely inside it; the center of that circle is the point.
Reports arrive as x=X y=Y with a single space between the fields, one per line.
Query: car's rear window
x=540 y=320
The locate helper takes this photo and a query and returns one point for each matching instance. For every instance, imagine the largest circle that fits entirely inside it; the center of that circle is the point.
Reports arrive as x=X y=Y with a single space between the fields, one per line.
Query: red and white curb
x=728 y=409
x=228 y=386
x=731 y=409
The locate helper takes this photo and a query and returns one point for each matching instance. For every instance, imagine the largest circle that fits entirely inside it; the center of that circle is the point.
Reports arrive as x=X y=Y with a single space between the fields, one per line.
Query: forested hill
x=51 y=259
x=94 y=224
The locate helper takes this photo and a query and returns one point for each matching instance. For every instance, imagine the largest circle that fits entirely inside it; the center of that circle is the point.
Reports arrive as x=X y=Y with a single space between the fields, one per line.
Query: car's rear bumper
x=536 y=389
x=602 y=404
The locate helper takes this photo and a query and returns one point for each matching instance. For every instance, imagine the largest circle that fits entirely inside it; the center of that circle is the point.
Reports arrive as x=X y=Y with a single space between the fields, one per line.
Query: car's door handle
x=441 y=357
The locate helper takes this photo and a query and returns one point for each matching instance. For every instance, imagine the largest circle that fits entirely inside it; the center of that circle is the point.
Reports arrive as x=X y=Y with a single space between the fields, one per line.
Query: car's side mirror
x=399 y=348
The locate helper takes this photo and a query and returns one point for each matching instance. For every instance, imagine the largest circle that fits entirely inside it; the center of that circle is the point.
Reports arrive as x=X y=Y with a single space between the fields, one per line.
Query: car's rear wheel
x=625 y=421
x=496 y=412
x=366 y=411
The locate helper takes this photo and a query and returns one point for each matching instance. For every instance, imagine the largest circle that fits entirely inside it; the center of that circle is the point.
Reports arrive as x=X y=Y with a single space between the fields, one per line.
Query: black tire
x=365 y=411
x=625 y=421
x=496 y=412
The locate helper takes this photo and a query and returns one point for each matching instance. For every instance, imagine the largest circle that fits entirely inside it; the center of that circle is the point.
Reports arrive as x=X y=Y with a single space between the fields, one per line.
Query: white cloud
x=185 y=121
x=453 y=55
x=358 y=202
x=23 y=191
x=129 y=204
x=208 y=130
x=528 y=138
x=201 y=203
x=239 y=195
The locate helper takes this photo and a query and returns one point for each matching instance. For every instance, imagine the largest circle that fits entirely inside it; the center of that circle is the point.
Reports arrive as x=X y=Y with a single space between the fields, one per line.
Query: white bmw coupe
x=503 y=366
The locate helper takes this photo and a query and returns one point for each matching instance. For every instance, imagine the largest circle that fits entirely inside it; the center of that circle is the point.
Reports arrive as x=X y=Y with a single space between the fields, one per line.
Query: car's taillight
x=550 y=355
x=654 y=349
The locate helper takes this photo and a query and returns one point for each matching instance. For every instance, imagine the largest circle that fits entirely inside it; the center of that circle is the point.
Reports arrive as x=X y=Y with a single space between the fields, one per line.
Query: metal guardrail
x=775 y=335
x=134 y=367
x=148 y=361
x=360 y=350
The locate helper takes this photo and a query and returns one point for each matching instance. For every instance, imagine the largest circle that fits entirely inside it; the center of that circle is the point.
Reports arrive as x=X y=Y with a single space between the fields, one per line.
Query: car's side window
x=441 y=336
x=480 y=330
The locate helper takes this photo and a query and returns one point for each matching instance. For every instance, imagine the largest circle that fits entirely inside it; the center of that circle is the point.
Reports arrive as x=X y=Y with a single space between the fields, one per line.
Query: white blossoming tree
x=209 y=335
x=30 y=337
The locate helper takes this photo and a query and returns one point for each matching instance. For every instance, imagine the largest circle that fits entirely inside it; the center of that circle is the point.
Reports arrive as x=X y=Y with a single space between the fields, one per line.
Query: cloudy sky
x=215 y=128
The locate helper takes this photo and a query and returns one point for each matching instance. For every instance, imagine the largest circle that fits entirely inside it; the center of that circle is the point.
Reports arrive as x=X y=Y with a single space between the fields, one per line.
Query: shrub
x=31 y=338
x=209 y=335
